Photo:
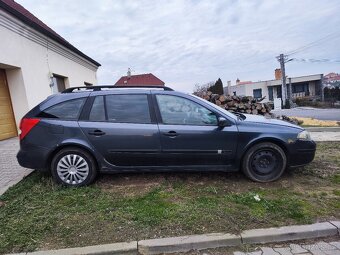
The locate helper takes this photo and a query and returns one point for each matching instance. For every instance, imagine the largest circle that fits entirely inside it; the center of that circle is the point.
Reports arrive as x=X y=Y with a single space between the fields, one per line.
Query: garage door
x=7 y=122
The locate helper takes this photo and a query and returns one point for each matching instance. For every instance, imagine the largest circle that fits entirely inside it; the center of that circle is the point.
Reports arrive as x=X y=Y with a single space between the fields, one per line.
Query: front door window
x=181 y=111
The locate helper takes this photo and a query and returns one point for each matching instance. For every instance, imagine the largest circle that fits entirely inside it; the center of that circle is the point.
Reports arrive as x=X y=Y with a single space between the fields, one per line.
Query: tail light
x=26 y=125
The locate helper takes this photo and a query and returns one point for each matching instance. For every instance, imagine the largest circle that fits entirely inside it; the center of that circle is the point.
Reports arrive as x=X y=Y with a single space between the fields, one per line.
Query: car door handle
x=171 y=134
x=97 y=132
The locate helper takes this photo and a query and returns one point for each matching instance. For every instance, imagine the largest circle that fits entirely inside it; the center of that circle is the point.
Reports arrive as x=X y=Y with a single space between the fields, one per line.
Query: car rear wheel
x=264 y=162
x=73 y=167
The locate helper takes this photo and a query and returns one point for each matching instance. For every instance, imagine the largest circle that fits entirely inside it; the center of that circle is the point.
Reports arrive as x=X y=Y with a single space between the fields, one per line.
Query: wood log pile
x=246 y=104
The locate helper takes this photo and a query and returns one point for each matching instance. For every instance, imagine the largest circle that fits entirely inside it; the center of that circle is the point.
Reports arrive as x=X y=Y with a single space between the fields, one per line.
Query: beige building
x=34 y=63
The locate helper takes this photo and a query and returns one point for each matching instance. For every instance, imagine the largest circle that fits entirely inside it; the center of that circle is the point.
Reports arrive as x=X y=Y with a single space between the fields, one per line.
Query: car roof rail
x=99 y=88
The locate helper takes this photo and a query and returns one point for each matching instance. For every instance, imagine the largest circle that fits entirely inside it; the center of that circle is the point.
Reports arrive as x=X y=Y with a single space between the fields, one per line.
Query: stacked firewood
x=245 y=104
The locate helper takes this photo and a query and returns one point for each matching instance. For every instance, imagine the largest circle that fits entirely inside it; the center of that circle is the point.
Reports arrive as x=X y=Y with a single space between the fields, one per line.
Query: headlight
x=304 y=135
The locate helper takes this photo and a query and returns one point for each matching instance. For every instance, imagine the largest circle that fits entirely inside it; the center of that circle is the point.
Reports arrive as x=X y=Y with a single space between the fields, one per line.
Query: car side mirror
x=223 y=122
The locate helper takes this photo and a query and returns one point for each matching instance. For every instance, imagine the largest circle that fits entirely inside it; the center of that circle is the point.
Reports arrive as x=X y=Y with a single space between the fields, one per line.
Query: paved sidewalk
x=310 y=112
x=10 y=171
x=320 y=248
x=325 y=136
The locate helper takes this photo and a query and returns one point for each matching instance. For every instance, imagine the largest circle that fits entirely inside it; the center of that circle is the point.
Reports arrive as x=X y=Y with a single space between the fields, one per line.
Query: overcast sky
x=188 y=42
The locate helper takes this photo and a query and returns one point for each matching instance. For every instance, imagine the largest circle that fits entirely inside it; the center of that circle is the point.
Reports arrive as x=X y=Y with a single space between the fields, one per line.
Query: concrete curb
x=187 y=243
x=337 y=225
x=288 y=233
x=206 y=241
x=129 y=248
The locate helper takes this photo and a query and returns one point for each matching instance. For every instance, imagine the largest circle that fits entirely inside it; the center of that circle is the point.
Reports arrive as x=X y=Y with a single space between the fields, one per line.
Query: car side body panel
x=195 y=148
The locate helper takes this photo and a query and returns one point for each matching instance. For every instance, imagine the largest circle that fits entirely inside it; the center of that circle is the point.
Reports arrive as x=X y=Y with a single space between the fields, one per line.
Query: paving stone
x=187 y=243
x=332 y=252
x=10 y=170
x=325 y=246
x=314 y=249
x=336 y=244
x=296 y=249
x=284 y=251
x=269 y=251
x=254 y=253
x=288 y=233
x=317 y=252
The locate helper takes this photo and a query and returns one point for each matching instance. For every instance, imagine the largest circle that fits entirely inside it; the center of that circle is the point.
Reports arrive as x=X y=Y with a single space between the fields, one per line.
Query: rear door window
x=97 y=112
x=128 y=109
x=68 y=110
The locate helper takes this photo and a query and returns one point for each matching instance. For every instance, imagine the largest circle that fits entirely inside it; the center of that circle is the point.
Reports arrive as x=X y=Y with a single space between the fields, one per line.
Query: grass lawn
x=37 y=214
x=311 y=122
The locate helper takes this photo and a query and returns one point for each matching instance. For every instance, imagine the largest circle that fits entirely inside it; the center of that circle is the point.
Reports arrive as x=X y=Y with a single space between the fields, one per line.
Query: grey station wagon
x=89 y=130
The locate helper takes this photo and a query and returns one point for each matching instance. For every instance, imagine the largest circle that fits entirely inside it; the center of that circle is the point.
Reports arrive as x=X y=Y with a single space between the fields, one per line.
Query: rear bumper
x=302 y=153
x=34 y=157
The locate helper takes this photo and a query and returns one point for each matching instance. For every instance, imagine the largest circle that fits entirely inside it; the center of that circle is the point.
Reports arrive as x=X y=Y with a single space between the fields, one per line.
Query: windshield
x=234 y=116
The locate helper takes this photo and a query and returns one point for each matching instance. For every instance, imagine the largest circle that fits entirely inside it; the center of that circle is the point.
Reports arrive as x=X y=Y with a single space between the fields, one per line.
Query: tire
x=73 y=167
x=264 y=162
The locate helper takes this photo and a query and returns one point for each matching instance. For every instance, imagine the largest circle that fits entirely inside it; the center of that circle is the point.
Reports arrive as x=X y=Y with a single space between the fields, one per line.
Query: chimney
x=228 y=88
x=129 y=73
x=278 y=74
x=237 y=81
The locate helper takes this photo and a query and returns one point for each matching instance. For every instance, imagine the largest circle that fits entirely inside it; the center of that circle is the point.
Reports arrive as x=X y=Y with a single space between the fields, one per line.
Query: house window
x=257 y=93
x=87 y=84
x=279 y=92
x=298 y=88
x=58 y=83
x=270 y=93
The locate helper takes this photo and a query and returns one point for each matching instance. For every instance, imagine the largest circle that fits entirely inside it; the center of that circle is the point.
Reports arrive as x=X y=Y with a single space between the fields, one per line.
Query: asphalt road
x=320 y=114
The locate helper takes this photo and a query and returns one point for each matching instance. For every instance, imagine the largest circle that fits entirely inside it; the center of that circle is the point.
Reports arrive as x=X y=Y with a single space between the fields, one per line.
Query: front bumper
x=301 y=153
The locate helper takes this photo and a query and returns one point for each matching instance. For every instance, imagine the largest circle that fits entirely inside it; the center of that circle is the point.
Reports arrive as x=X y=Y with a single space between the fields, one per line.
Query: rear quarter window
x=68 y=110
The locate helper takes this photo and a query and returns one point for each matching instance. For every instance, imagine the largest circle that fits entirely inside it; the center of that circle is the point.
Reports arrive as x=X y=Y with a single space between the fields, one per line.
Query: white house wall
x=247 y=89
x=33 y=58
x=240 y=90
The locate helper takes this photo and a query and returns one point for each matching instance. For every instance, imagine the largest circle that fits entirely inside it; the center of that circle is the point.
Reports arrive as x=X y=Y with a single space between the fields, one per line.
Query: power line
x=315 y=43
x=313 y=60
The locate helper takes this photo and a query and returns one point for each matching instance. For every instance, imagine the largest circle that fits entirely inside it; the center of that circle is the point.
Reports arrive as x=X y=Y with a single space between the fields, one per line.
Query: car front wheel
x=73 y=167
x=264 y=162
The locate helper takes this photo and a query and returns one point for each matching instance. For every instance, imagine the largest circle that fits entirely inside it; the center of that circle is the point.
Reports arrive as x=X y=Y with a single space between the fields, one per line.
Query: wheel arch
x=274 y=140
x=70 y=145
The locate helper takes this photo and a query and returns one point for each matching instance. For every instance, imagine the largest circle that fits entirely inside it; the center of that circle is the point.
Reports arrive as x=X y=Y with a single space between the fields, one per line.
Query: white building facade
x=34 y=63
x=309 y=85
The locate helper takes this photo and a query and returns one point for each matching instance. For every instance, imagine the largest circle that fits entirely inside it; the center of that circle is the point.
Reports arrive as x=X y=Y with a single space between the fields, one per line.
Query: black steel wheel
x=264 y=162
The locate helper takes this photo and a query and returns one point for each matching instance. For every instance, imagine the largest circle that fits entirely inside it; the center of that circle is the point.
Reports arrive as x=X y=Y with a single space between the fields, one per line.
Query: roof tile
x=140 y=80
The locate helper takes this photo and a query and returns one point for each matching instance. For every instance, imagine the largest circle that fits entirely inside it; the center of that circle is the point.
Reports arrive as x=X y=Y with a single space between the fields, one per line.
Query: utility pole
x=282 y=61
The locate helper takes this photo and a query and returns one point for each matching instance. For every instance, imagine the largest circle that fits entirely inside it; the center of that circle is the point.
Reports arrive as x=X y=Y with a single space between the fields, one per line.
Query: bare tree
x=200 y=88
